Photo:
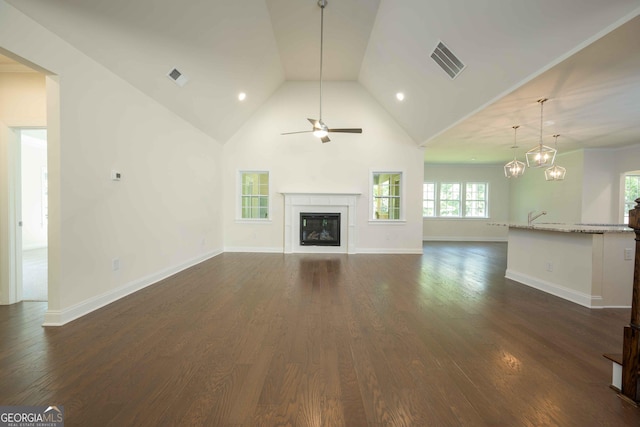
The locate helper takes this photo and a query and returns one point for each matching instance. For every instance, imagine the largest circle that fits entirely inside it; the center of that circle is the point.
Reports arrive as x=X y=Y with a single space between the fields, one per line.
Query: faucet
x=531 y=217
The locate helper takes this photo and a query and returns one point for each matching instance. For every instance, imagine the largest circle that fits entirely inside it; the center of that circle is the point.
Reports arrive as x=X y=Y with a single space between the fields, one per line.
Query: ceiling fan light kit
x=320 y=129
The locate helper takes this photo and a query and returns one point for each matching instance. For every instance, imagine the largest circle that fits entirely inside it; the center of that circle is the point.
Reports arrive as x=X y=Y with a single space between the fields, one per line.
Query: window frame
x=400 y=197
x=628 y=205
x=462 y=200
x=459 y=199
x=485 y=200
x=240 y=195
x=426 y=200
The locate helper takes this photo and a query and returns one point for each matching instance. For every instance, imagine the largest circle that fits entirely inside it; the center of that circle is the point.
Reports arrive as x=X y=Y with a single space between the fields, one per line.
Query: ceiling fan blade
x=325 y=139
x=315 y=123
x=351 y=130
x=300 y=131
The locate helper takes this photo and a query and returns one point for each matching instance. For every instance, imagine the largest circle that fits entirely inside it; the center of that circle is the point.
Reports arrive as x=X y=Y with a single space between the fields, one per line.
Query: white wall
x=592 y=192
x=623 y=160
x=301 y=163
x=164 y=215
x=34 y=162
x=562 y=200
x=600 y=187
x=463 y=229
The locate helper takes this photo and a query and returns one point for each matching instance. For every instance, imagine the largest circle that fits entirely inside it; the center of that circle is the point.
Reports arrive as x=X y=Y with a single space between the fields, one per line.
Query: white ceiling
x=515 y=52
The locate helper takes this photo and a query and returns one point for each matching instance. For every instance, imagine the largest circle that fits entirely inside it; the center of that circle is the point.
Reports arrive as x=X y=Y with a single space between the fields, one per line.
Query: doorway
x=33 y=220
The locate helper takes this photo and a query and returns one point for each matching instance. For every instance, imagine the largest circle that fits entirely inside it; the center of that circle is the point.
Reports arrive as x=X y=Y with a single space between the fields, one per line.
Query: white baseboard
x=357 y=251
x=272 y=250
x=581 y=298
x=462 y=239
x=61 y=317
x=383 y=251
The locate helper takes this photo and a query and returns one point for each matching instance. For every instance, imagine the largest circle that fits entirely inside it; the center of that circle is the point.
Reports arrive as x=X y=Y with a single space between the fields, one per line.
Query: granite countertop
x=571 y=228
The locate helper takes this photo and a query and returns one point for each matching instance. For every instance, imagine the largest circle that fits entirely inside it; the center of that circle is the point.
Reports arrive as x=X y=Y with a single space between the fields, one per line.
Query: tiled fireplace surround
x=343 y=203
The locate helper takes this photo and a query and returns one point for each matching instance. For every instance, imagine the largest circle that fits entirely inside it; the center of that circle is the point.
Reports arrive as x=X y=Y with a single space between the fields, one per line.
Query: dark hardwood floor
x=441 y=339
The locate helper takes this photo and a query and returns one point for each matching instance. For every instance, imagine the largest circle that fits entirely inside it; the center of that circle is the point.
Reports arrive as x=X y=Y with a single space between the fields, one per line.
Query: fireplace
x=323 y=204
x=319 y=229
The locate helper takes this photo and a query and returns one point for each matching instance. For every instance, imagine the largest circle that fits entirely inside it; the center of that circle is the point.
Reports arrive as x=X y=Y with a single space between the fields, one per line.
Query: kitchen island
x=588 y=264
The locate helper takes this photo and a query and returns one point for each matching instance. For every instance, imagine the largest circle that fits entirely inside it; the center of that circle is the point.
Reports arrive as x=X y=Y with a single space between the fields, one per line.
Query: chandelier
x=514 y=168
x=541 y=155
x=555 y=173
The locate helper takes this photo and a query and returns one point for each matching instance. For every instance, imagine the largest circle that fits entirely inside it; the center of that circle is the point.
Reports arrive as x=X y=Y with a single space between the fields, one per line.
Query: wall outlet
x=549 y=266
x=115 y=264
x=116 y=175
x=628 y=254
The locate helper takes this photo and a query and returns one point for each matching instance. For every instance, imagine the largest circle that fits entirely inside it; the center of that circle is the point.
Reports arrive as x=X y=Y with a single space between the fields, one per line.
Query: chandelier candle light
x=541 y=155
x=514 y=168
x=555 y=173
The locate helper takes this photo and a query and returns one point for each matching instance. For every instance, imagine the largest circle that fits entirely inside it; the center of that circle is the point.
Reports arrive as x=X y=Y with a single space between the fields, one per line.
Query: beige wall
x=23 y=99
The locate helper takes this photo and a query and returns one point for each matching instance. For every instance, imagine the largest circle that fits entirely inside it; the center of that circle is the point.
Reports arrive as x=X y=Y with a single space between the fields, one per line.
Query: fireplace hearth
x=319 y=229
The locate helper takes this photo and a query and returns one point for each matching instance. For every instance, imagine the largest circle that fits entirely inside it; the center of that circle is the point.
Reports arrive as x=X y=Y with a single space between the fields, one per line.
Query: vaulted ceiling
x=581 y=54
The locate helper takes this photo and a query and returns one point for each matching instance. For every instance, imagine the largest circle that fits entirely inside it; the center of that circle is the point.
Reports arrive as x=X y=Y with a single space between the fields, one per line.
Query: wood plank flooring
x=441 y=339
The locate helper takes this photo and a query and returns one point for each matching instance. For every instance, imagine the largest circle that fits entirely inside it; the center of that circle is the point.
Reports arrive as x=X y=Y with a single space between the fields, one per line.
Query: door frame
x=14 y=151
x=15 y=220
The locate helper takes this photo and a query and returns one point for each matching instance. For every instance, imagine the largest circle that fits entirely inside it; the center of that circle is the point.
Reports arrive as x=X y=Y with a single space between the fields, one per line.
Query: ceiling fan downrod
x=322 y=4
x=319 y=129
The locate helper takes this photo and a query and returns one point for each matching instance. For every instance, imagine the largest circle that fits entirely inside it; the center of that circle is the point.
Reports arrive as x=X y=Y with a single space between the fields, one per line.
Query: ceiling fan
x=320 y=129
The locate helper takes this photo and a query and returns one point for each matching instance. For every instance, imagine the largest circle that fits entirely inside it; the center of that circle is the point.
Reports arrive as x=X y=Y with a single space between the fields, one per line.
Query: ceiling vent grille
x=179 y=78
x=447 y=60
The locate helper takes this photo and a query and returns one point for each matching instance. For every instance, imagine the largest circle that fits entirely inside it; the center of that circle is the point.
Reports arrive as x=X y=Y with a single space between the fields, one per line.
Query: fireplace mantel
x=296 y=202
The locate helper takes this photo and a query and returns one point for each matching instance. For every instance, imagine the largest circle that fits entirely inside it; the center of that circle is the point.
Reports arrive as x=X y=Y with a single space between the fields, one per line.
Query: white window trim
x=460 y=199
x=239 y=218
x=463 y=205
x=623 y=195
x=486 y=201
x=402 y=219
x=435 y=199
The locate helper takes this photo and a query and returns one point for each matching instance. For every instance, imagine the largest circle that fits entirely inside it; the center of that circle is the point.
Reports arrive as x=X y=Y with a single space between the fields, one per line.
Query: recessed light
x=400 y=96
x=242 y=96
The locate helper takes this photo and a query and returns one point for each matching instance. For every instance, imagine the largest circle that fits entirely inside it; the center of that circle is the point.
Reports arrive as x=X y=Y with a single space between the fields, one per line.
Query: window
x=455 y=199
x=631 y=193
x=475 y=200
x=254 y=195
x=450 y=199
x=429 y=199
x=387 y=195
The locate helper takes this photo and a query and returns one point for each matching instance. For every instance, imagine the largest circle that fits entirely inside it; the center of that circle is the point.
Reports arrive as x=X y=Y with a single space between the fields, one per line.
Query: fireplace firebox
x=319 y=229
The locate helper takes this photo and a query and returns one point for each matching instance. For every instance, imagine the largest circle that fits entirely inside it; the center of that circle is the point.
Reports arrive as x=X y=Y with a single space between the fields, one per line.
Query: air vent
x=447 y=60
x=179 y=78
